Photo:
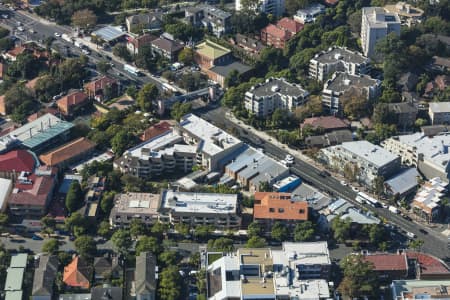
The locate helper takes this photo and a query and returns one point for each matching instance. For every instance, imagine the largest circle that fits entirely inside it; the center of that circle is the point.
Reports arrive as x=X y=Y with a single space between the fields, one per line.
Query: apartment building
x=297 y=270
x=193 y=209
x=279 y=34
x=342 y=83
x=419 y=289
x=262 y=99
x=131 y=206
x=429 y=154
x=370 y=160
x=408 y=14
x=405 y=114
x=376 y=24
x=309 y=13
x=216 y=20
x=273 y=7
x=193 y=142
x=439 y=113
x=427 y=202
x=337 y=59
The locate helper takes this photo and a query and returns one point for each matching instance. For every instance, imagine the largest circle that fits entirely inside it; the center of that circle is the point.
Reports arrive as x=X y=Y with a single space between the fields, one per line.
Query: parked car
x=57 y=34
x=36 y=238
x=411 y=235
x=324 y=173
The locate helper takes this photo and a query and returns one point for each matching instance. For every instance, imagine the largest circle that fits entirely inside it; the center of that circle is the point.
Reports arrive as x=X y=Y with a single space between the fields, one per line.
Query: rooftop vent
x=275 y=88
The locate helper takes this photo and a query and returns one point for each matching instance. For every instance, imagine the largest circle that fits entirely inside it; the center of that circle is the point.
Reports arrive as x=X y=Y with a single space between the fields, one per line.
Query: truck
x=67 y=38
x=133 y=70
x=393 y=209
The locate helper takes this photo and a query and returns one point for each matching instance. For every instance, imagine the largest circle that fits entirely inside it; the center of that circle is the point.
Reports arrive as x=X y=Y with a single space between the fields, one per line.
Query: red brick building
x=278 y=35
x=70 y=104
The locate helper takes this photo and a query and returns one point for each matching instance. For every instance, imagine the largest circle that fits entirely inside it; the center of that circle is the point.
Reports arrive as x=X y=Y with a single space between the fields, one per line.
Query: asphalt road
x=434 y=242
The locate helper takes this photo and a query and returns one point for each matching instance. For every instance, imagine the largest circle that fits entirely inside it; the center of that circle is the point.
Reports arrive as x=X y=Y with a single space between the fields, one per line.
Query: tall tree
x=304 y=231
x=170 y=284
x=254 y=229
x=50 y=246
x=186 y=56
x=137 y=228
x=121 y=240
x=74 y=196
x=178 y=110
x=359 y=278
x=85 y=246
x=84 y=18
x=146 y=96
x=280 y=232
x=148 y=243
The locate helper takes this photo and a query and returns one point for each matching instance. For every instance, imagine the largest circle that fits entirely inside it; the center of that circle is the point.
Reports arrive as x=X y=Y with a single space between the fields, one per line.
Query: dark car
x=408 y=218
x=423 y=231
x=71 y=238
x=324 y=174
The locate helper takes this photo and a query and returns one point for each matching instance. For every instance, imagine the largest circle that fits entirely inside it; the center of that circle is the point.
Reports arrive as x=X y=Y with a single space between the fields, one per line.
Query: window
x=281 y=210
x=301 y=211
x=271 y=209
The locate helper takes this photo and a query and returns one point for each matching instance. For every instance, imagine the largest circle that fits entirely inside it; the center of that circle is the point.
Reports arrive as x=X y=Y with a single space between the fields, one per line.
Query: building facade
x=439 y=113
x=273 y=7
x=134 y=206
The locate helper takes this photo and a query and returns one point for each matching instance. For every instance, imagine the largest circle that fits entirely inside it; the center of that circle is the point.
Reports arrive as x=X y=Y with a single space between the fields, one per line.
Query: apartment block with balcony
x=193 y=209
x=273 y=7
x=369 y=160
x=262 y=99
x=337 y=59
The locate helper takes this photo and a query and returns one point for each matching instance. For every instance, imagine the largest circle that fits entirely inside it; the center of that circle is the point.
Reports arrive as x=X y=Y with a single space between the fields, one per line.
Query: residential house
x=15 y=162
x=167 y=48
x=12 y=54
x=275 y=93
x=244 y=274
x=134 y=43
x=332 y=138
x=309 y=13
x=439 y=113
x=408 y=14
x=402 y=184
x=78 y=274
x=212 y=18
x=376 y=24
x=193 y=209
x=155 y=130
x=405 y=114
x=325 y=124
x=441 y=64
x=439 y=84
x=220 y=73
x=342 y=84
x=71 y=104
x=250 y=46
x=142 y=22
x=279 y=34
x=408 y=82
x=389 y=266
x=102 y=88
x=144 y=285
x=44 y=277
x=428 y=267
x=337 y=59
x=273 y=207
x=429 y=154
x=427 y=202
x=107 y=267
x=69 y=153
x=131 y=206
x=32 y=193
x=371 y=161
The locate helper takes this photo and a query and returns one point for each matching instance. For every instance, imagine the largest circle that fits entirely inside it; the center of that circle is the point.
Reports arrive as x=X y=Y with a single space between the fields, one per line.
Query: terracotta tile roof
x=18 y=160
x=326 y=122
x=276 y=32
x=155 y=130
x=70 y=101
x=388 y=262
x=278 y=206
x=67 y=151
x=34 y=194
x=442 y=82
x=77 y=273
x=429 y=265
x=16 y=51
x=290 y=25
x=99 y=83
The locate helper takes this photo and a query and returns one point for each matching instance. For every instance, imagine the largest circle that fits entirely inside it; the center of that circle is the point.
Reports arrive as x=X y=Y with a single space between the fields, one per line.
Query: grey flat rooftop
x=19 y=260
x=440 y=107
x=109 y=33
x=404 y=181
x=370 y=152
x=226 y=69
x=340 y=54
x=216 y=12
x=273 y=86
x=14 y=279
x=340 y=82
x=377 y=17
x=14 y=295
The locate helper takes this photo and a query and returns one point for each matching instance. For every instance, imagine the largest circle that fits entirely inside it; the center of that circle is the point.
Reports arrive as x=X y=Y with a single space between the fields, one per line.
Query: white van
x=411 y=235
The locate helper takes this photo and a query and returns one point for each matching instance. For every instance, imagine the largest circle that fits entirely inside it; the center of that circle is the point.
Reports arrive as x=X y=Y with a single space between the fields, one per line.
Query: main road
x=434 y=242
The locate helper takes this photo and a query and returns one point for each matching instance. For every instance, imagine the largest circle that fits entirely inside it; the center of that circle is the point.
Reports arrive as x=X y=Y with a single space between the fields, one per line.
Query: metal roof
x=109 y=33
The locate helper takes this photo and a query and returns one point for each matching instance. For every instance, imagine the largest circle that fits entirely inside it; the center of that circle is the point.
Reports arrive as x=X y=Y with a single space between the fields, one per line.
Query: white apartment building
x=337 y=59
x=427 y=202
x=310 y=13
x=218 y=210
x=439 y=113
x=429 y=154
x=274 y=7
x=297 y=271
x=131 y=206
x=341 y=82
x=262 y=99
x=376 y=24
x=193 y=141
x=370 y=160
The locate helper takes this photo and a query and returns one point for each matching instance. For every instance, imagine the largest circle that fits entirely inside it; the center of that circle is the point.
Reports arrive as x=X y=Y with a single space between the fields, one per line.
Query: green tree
x=377 y=233
x=341 y=229
x=359 y=278
x=221 y=244
x=168 y=258
x=104 y=229
x=121 y=51
x=121 y=240
x=148 y=244
x=107 y=202
x=75 y=220
x=145 y=59
x=232 y=79
x=146 y=96
x=304 y=231
x=179 y=109
x=264 y=186
x=378 y=185
x=170 y=284
x=280 y=232
x=254 y=229
x=103 y=66
x=3 y=219
x=84 y=18
x=85 y=246
x=159 y=228
x=74 y=196
x=46 y=87
x=182 y=228
x=6 y=44
x=121 y=141
x=415 y=244
x=256 y=242
x=203 y=231
x=137 y=228
x=50 y=246
x=354 y=102
x=186 y=56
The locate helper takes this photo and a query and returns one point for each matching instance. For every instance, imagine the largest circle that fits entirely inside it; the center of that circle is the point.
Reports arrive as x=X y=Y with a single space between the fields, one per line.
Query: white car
x=20 y=28
x=289 y=158
x=57 y=34
x=5 y=16
x=355 y=189
x=343 y=183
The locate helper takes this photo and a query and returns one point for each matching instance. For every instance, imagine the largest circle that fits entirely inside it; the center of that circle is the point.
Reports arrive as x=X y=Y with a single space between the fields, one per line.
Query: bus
x=364 y=198
x=133 y=70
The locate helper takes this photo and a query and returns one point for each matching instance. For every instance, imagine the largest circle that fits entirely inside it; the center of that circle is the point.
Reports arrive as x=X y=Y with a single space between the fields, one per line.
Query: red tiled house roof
x=429 y=267
x=290 y=25
x=155 y=130
x=34 y=194
x=17 y=160
x=278 y=206
x=326 y=122
x=78 y=273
